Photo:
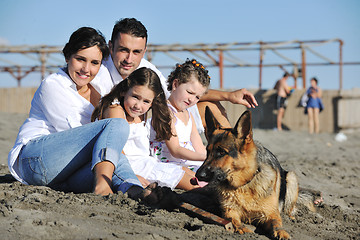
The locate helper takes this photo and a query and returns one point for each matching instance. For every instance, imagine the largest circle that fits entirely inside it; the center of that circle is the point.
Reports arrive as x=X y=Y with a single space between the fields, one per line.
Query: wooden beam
x=206 y=216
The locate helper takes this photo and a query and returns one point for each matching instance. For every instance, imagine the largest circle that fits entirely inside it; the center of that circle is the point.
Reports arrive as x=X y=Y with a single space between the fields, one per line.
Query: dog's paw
x=243 y=229
x=281 y=234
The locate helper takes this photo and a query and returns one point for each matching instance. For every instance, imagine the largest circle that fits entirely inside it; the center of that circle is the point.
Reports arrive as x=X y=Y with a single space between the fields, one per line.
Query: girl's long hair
x=161 y=119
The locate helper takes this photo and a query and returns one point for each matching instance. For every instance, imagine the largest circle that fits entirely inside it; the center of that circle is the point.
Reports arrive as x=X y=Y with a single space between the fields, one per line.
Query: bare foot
x=102 y=186
x=103 y=172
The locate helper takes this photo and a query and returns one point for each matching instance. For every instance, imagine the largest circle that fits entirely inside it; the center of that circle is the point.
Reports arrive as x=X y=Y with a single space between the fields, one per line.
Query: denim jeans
x=65 y=160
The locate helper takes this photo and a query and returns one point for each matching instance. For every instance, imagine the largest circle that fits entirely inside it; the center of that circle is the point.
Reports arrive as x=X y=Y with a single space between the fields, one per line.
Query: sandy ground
x=322 y=163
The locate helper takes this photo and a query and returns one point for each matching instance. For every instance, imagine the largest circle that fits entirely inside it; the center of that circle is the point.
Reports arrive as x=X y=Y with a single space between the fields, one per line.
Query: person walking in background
x=283 y=91
x=314 y=105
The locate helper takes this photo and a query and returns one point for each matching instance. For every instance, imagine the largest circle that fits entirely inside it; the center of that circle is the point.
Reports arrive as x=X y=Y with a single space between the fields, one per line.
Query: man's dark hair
x=129 y=26
x=286 y=74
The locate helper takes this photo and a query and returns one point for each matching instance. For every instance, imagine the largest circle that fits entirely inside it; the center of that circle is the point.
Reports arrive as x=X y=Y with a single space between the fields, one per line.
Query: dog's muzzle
x=209 y=174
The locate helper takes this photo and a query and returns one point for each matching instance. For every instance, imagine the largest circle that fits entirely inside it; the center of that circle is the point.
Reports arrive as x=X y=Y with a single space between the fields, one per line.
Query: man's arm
x=241 y=96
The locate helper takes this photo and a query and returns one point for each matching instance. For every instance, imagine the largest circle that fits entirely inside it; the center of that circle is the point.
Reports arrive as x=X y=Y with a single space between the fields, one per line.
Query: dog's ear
x=211 y=123
x=243 y=127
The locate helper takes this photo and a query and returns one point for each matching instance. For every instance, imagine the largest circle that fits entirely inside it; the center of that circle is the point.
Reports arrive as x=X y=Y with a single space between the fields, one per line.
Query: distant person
x=131 y=99
x=314 y=105
x=58 y=146
x=127 y=49
x=283 y=91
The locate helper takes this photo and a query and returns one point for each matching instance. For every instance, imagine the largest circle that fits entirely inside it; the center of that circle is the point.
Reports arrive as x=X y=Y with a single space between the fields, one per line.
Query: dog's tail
x=310 y=198
x=291 y=194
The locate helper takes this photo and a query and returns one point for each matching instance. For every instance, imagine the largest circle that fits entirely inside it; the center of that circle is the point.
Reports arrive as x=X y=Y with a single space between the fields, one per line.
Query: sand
x=321 y=163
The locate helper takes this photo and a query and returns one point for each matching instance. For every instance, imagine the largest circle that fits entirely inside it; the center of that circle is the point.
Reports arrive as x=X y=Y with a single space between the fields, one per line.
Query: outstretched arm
x=240 y=96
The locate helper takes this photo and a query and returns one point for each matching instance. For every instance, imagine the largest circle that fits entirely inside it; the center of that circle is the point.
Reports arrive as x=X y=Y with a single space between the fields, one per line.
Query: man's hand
x=244 y=97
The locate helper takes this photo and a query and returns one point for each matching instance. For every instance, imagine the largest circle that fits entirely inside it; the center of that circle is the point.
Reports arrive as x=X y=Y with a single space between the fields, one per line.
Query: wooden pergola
x=219 y=55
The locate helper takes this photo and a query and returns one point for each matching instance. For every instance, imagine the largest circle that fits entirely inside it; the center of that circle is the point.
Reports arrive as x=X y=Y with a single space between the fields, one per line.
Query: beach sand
x=321 y=163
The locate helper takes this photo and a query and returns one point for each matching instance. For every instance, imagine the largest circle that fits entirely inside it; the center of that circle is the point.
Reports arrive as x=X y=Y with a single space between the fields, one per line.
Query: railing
x=43 y=59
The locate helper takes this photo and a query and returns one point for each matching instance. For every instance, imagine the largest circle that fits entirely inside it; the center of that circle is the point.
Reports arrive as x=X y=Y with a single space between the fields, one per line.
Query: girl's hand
x=203 y=156
x=143 y=181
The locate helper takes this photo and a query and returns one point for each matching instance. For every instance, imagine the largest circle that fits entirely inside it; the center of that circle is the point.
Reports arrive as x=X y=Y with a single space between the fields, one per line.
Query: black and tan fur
x=251 y=185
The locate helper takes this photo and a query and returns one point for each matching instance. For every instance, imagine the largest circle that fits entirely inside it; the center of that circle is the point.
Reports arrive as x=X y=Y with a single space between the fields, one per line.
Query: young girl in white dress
x=187 y=83
x=131 y=99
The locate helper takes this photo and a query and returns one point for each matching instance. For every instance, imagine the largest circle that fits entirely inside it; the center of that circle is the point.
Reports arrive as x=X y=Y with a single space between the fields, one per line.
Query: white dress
x=161 y=151
x=137 y=151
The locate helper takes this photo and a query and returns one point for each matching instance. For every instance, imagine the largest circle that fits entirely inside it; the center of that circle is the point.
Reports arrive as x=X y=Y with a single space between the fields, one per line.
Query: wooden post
x=295 y=75
x=303 y=66
x=340 y=65
x=43 y=65
x=221 y=68
x=18 y=77
x=261 y=65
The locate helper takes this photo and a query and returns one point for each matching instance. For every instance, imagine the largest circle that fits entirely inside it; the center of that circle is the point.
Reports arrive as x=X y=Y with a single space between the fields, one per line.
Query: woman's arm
x=180 y=152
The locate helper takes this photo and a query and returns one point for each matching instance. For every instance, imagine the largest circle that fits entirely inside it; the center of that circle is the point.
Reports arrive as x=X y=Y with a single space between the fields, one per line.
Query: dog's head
x=231 y=152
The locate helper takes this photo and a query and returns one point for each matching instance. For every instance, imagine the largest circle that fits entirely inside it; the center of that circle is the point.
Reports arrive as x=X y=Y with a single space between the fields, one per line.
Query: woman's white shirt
x=56 y=106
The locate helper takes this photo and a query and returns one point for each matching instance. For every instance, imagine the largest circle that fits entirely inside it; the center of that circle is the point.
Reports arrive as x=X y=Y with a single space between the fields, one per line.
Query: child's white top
x=137 y=151
x=183 y=132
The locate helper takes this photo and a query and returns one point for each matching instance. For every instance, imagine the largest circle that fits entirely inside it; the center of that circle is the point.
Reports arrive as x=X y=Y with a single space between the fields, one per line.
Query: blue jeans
x=64 y=160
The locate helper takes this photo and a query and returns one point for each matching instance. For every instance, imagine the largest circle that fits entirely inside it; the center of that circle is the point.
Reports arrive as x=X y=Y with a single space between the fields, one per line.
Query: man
x=283 y=90
x=127 y=48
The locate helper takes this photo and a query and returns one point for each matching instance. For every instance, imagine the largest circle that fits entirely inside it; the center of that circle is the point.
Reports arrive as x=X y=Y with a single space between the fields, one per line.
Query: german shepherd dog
x=250 y=184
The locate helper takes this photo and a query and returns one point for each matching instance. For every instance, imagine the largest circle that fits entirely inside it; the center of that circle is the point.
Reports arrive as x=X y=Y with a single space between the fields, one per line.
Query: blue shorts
x=314 y=103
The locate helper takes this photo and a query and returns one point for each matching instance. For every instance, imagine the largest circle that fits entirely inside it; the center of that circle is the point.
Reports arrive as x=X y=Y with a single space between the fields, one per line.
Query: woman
x=57 y=146
x=314 y=106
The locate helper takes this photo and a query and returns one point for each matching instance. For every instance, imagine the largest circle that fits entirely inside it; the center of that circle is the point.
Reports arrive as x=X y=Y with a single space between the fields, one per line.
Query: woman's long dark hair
x=85 y=37
x=161 y=119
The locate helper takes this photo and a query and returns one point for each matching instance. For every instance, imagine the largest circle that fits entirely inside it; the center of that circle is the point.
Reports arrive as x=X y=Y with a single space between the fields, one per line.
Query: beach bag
x=304 y=99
